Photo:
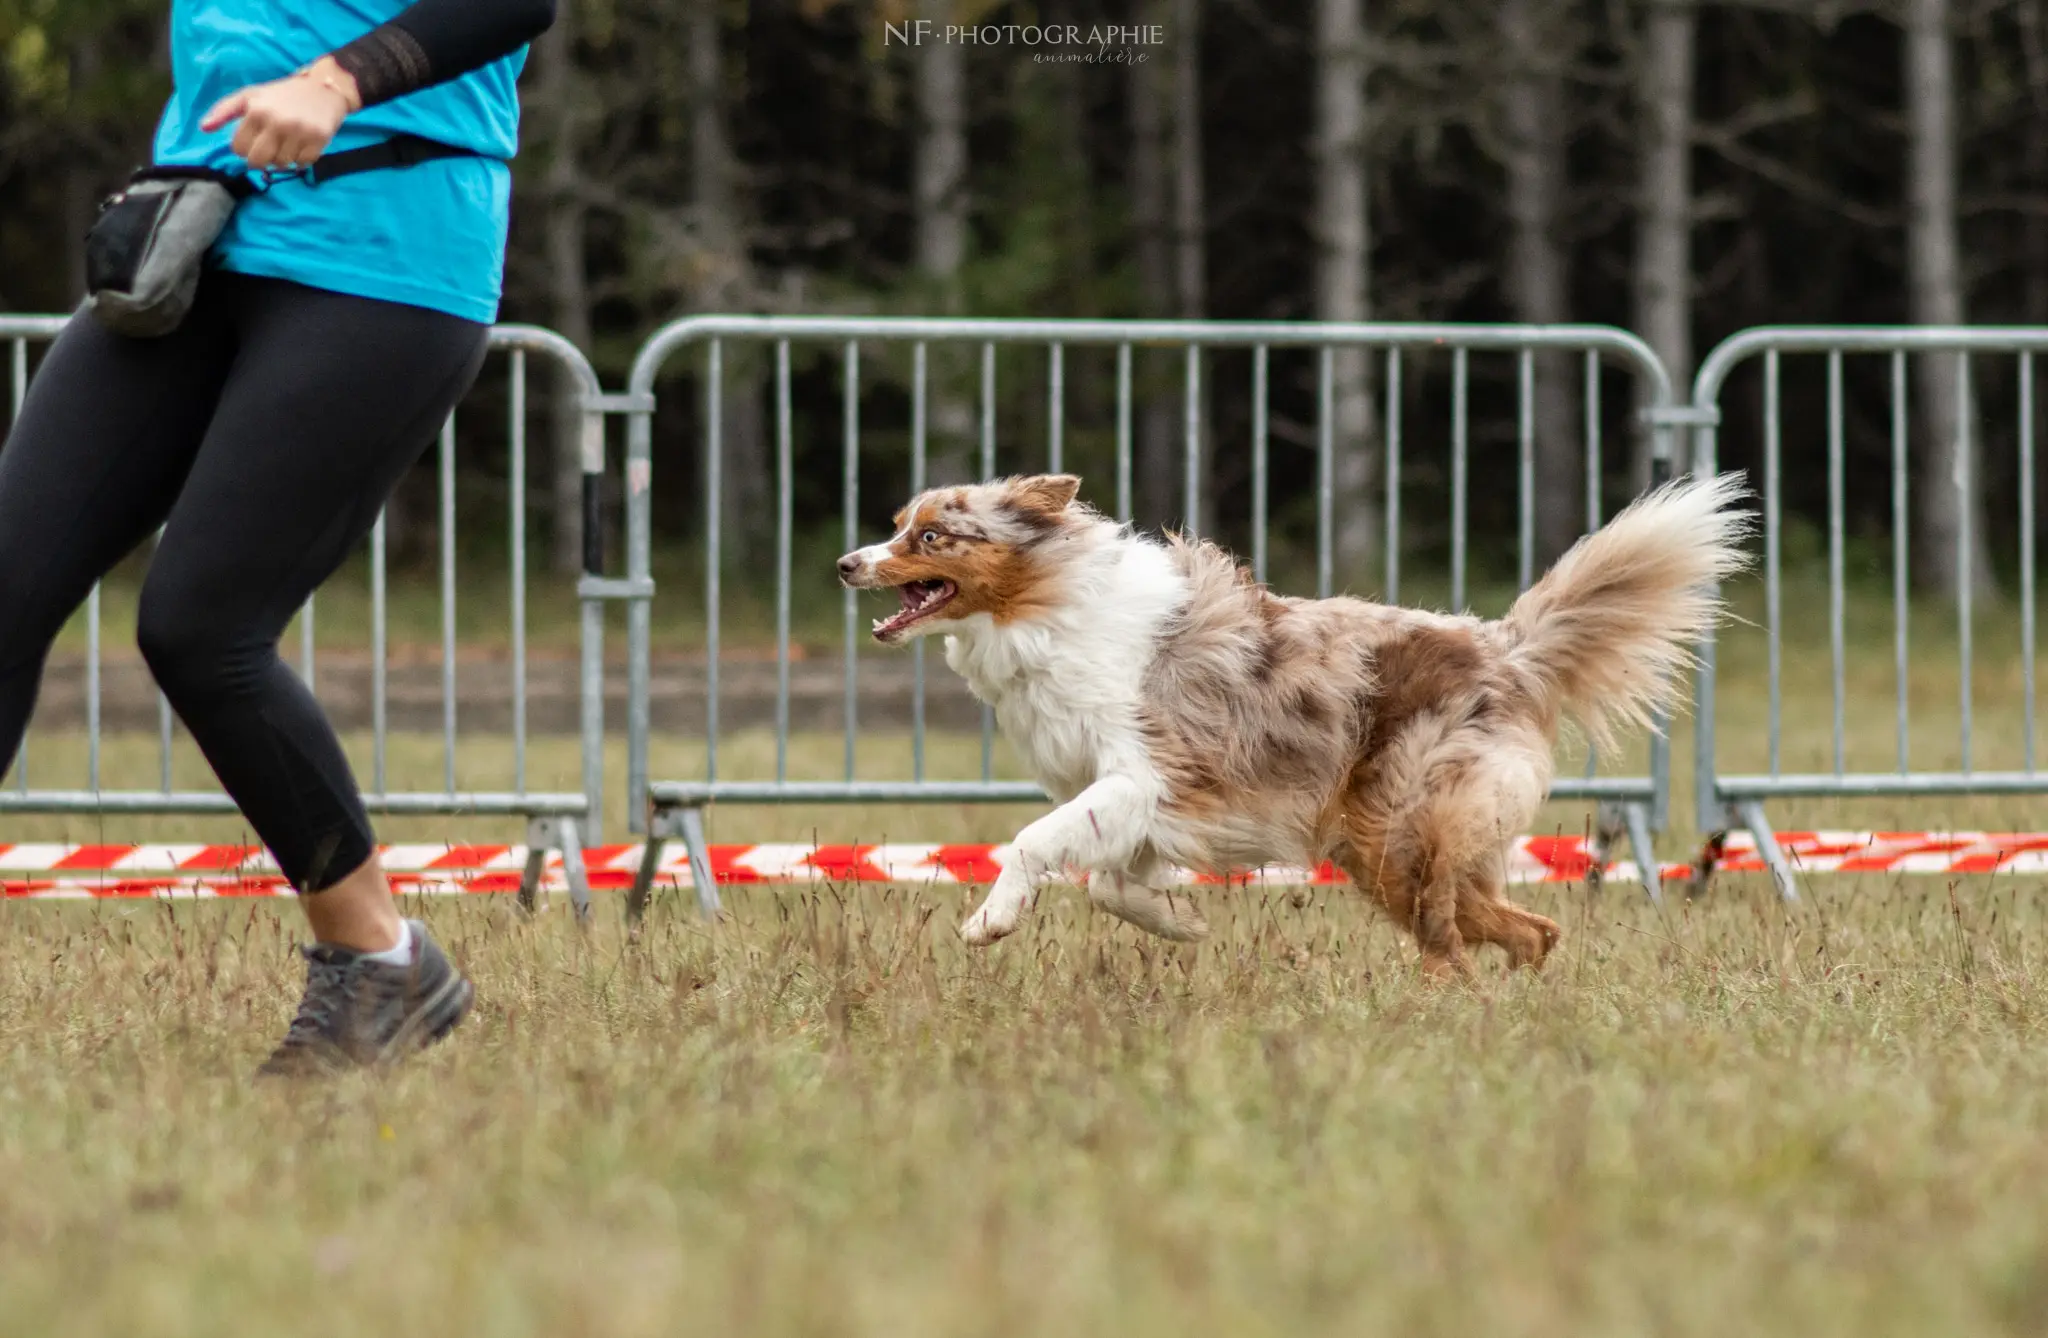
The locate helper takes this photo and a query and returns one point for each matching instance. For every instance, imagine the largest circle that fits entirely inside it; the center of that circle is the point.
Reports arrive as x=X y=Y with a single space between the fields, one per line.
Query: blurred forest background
x=1681 y=169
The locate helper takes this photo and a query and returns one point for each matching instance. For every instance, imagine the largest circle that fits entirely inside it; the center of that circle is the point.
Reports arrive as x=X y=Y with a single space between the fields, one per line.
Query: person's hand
x=288 y=122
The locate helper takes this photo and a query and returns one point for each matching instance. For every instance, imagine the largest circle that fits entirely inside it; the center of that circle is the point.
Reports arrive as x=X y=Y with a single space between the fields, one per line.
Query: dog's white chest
x=1065 y=748
x=1068 y=688
x=1072 y=718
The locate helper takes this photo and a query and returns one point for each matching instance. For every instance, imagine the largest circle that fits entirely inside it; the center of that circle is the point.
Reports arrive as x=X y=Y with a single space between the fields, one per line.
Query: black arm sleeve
x=434 y=41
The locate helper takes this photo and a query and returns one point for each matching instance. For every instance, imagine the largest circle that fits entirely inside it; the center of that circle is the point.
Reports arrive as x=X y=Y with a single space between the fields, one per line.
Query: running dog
x=1182 y=714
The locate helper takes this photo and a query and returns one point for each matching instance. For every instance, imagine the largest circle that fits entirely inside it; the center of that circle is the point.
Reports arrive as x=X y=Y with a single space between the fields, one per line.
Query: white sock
x=399 y=953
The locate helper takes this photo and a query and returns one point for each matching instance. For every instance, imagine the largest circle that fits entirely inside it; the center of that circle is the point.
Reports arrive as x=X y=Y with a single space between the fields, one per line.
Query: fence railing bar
x=1055 y=410
x=988 y=471
x=166 y=725
x=92 y=688
x=1966 y=577
x=1460 y=441
x=2026 y=490
x=17 y=361
x=785 y=535
x=1326 y=464
x=1590 y=402
x=380 y=658
x=1191 y=518
x=307 y=666
x=1836 y=614
x=849 y=501
x=1595 y=441
x=1774 y=588
x=1525 y=473
x=447 y=463
x=1208 y=334
x=714 y=558
x=1393 y=558
x=166 y=720
x=1123 y=433
x=1260 y=482
x=1902 y=521
x=920 y=390
x=516 y=471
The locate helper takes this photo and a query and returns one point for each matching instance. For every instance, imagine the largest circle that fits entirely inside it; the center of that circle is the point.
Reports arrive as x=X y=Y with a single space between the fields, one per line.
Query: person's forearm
x=434 y=41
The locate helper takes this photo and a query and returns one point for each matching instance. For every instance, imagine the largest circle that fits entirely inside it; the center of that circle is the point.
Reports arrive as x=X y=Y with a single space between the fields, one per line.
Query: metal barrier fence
x=1730 y=797
x=556 y=820
x=1631 y=803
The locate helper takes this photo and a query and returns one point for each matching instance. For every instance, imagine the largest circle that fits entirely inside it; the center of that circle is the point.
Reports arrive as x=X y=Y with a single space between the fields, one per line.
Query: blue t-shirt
x=431 y=235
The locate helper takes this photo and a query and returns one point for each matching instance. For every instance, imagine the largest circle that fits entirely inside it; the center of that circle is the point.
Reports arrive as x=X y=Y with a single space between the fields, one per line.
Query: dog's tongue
x=913 y=596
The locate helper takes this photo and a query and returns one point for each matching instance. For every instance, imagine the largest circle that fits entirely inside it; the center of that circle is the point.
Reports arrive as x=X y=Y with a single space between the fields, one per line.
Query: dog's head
x=958 y=552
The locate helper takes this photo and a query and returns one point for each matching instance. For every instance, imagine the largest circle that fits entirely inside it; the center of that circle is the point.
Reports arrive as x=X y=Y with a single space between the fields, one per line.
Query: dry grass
x=825 y=1117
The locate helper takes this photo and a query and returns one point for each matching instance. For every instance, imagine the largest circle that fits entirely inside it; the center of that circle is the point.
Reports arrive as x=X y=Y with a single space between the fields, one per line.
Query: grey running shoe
x=361 y=1012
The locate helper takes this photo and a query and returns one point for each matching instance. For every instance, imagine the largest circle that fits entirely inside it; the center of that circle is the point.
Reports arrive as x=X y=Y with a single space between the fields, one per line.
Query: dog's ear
x=1048 y=494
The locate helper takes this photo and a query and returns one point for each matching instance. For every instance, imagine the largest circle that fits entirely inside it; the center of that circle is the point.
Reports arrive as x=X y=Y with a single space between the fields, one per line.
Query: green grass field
x=824 y=1116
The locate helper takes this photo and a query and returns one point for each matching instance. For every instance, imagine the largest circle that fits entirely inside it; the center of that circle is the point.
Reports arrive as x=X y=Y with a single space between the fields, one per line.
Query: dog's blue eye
x=930 y=536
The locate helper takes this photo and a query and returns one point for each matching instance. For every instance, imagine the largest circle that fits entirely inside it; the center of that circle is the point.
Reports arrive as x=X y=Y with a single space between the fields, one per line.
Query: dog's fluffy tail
x=1608 y=632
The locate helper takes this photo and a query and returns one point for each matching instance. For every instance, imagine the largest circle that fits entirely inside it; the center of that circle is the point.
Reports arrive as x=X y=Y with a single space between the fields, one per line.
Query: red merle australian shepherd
x=1182 y=714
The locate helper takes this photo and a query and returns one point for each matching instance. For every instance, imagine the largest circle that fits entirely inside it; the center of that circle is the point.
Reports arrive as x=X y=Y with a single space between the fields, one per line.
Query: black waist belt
x=398 y=151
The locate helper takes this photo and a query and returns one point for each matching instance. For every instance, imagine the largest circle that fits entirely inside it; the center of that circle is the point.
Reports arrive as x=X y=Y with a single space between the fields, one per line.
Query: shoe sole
x=443 y=1010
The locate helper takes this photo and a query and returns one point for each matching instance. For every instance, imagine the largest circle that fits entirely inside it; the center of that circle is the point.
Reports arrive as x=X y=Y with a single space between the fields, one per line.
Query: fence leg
x=1637 y=816
x=540 y=838
x=1751 y=813
x=700 y=862
x=643 y=878
x=1608 y=826
x=573 y=871
x=543 y=835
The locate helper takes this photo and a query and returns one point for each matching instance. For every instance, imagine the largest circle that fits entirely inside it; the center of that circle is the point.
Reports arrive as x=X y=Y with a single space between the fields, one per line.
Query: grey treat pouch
x=144 y=253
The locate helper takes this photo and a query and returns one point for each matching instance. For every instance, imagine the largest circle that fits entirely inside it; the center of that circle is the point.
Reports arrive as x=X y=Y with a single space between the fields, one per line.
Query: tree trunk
x=728 y=285
x=1343 y=272
x=1153 y=469
x=941 y=201
x=82 y=170
x=1190 y=232
x=1950 y=490
x=2035 y=35
x=1664 y=208
x=556 y=87
x=941 y=152
x=1538 y=278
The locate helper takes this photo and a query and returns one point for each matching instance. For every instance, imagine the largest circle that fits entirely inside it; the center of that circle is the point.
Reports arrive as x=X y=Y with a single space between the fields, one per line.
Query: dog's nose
x=849 y=566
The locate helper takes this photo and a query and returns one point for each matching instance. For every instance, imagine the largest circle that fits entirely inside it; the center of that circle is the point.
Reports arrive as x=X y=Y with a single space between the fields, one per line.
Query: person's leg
x=330 y=401
x=101 y=446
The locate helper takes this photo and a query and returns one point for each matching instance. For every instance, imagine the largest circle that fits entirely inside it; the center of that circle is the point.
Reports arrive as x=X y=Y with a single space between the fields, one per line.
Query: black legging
x=264 y=435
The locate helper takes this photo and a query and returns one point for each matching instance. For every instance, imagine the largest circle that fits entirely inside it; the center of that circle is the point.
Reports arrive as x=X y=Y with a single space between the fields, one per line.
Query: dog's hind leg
x=1475 y=802
x=1438 y=895
x=1485 y=916
x=1136 y=897
x=1403 y=890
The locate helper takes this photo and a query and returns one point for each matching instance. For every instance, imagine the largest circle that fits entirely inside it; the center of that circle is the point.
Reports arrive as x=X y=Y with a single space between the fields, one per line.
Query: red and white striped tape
x=227 y=871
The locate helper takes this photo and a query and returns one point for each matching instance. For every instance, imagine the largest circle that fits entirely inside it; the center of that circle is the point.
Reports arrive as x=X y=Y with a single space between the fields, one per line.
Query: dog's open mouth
x=921 y=599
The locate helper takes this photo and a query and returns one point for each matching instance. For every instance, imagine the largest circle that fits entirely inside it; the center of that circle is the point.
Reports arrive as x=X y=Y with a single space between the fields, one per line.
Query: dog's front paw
x=987 y=925
x=1000 y=914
